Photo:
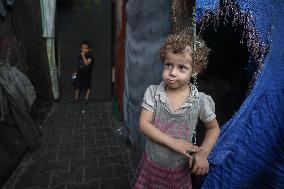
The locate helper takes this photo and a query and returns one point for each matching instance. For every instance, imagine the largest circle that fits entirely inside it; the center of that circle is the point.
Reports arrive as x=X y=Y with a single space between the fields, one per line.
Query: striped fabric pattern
x=152 y=176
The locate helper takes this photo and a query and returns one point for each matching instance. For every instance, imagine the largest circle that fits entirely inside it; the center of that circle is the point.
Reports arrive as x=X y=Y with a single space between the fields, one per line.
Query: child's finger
x=194 y=169
x=206 y=171
x=187 y=154
x=190 y=162
x=198 y=148
x=198 y=171
x=195 y=149
x=203 y=171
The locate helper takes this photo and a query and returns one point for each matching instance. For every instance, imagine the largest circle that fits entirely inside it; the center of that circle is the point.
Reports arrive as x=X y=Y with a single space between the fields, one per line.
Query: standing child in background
x=84 y=71
x=169 y=117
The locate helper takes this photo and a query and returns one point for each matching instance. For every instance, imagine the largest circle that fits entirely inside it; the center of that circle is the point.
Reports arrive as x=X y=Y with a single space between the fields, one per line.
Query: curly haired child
x=169 y=117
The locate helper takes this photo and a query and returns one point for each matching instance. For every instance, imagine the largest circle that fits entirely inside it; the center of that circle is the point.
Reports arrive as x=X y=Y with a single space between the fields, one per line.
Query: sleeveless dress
x=161 y=167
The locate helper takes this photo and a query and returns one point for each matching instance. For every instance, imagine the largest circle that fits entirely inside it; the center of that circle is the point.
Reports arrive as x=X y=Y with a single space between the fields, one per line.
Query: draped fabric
x=48 y=9
x=202 y=5
x=5 y=5
x=249 y=152
x=148 y=24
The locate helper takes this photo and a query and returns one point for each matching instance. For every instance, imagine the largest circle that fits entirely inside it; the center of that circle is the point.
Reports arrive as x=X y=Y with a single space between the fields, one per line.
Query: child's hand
x=185 y=147
x=83 y=53
x=200 y=165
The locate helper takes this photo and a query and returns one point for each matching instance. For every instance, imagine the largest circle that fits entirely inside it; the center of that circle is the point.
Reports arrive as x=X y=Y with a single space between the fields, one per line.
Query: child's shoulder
x=205 y=98
x=156 y=87
x=202 y=95
x=151 y=89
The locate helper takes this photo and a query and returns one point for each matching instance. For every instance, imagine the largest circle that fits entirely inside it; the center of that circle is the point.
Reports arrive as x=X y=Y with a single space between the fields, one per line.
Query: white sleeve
x=148 y=99
x=207 y=108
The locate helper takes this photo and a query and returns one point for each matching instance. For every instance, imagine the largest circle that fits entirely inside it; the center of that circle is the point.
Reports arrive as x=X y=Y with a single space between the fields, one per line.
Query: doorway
x=77 y=21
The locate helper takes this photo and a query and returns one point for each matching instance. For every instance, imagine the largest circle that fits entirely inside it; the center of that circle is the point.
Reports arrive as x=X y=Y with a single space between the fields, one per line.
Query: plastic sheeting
x=249 y=152
x=4 y=5
x=202 y=5
x=148 y=24
x=48 y=9
x=16 y=98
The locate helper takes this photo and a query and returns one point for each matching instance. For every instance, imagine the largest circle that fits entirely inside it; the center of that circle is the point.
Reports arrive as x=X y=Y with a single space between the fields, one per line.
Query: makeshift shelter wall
x=148 y=23
x=249 y=152
x=22 y=46
x=28 y=22
x=12 y=143
x=119 y=51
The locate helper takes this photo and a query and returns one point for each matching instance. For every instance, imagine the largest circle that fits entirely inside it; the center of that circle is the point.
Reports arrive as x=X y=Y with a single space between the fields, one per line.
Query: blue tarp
x=250 y=152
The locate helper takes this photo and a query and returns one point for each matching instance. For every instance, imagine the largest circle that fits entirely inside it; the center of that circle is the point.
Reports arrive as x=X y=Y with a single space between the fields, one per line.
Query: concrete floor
x=80 y=148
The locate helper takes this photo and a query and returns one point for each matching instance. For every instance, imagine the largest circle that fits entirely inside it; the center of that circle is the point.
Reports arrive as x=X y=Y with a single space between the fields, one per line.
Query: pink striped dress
x=160 y=167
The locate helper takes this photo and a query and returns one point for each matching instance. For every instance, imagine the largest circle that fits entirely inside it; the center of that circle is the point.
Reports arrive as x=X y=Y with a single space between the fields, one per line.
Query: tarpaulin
x=148 y=24
x=48 y=9
x=249 y=152
x=16 y=98
x=4 y=5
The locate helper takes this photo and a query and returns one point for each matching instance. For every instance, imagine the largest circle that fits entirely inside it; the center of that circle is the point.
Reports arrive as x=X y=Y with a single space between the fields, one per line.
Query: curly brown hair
x=178 y=43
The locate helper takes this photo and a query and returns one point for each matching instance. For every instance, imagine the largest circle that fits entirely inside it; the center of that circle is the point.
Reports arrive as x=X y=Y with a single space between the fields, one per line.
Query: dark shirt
x=80 y=62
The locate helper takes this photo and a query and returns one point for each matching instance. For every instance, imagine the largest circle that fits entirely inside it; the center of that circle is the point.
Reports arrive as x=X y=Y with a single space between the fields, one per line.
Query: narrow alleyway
x=79 y=150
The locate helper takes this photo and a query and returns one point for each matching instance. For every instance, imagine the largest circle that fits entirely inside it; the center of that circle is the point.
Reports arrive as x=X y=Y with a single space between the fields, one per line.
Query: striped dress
x=160 y=167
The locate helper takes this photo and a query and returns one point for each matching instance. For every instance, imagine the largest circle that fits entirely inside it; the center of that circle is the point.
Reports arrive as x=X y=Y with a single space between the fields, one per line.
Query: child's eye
x=182 y=67
x=168 y=65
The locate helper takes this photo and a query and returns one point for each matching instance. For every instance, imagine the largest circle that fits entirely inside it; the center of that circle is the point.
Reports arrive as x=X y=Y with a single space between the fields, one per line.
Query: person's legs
x=76 y=96
x=77 y=92
x=87 y=94
x=88 y=91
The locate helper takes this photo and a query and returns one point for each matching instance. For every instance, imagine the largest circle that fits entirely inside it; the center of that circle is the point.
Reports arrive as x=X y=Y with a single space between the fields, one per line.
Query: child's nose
x=173 y=72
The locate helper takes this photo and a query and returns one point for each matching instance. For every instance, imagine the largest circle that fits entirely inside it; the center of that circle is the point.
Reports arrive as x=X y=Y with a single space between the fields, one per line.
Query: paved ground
x=80 y=150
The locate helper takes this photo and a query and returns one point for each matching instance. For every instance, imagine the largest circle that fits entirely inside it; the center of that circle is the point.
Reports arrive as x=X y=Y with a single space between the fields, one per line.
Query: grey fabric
x=180 y=123
x=10 y=3
x=48 y=9
x=3 y=10
x=148 y=24
x=3 y=6
x=16 y=98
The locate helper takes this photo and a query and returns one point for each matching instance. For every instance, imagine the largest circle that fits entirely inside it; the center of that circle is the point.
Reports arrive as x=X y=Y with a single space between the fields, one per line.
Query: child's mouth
x=171 y=81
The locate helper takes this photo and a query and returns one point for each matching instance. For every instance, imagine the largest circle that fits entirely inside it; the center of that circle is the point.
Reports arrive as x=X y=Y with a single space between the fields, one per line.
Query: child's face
x=177 y=69
x=85 y=48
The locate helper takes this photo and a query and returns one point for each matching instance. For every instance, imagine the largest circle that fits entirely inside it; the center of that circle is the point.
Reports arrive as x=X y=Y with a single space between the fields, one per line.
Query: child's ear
x=196 y=69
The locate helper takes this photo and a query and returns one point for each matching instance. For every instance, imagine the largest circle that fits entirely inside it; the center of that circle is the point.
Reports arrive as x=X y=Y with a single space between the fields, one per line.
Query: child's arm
x=178 y=145
x=201 y=165
x=85 y=60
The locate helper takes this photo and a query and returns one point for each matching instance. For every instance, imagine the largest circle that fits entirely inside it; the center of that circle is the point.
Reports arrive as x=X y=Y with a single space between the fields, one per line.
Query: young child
x=84 y=71
x=169 y=117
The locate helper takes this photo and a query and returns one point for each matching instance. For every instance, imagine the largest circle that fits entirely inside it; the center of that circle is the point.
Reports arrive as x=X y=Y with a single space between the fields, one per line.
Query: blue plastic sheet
x=250 y=152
